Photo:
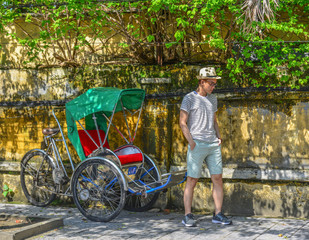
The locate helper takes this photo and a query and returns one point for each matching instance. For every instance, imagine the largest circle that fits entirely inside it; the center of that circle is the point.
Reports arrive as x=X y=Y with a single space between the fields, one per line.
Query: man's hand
x=220 y=141
x=192 y=145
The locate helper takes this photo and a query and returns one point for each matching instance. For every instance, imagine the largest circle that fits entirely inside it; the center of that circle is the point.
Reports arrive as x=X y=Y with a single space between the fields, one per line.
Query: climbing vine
x=255 y=43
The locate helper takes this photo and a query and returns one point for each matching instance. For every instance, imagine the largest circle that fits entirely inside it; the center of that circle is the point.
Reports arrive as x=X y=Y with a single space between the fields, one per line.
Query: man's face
x=208 y=85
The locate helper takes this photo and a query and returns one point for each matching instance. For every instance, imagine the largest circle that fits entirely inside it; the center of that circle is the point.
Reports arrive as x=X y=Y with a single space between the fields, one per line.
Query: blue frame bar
x=160 y=187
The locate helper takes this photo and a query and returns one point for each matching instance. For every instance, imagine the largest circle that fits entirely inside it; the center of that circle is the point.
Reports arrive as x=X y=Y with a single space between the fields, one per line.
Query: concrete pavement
x=159 y=225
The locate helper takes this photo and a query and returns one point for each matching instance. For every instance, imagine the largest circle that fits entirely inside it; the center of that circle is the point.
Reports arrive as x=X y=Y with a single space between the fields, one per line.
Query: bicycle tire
x=98 y=190
x=36 y=177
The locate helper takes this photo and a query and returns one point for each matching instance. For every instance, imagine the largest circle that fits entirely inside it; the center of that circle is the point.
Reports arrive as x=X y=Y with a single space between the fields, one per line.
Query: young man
x=199 y=126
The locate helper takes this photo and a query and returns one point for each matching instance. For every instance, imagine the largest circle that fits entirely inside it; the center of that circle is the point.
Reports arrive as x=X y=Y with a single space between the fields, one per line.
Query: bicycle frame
x=50 y=142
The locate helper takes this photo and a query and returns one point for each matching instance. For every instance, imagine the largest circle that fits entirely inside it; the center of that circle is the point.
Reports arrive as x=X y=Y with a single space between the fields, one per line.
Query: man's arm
x=183 y=118
x=217 y=129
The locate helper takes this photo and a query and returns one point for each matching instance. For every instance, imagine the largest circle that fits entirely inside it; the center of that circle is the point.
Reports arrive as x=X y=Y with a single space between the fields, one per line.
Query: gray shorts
x=204 y=151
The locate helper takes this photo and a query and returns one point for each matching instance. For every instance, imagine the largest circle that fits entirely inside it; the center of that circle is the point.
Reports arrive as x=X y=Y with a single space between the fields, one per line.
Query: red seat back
x=87 y=144
x=126 y=154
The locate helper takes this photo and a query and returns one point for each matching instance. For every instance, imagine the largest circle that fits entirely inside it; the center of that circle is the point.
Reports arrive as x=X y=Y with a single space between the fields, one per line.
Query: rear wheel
x=98 y=190
x=36 y=177
x=146 y=175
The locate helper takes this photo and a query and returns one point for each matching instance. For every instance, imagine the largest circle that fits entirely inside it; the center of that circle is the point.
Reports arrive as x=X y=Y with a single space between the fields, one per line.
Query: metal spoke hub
x=84 y=194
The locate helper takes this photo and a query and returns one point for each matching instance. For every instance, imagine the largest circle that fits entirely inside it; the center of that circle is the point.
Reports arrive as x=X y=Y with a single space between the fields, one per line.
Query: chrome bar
x=116 y=129
x=109 y=125
x=87 y=133
x=52 y=146
x=63 y=138
x=58 y=157
x=125 y=118
x=97 y=128
x=112 y=153
x=137 y=123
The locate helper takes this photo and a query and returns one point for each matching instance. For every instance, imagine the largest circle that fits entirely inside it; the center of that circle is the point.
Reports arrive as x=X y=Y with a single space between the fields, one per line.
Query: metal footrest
x=173 y=178
x=170 y=180
x=167 y=180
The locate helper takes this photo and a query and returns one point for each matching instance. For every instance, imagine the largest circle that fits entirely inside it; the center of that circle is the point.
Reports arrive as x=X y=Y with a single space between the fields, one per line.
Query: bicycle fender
x=42 y=151
x=155 y=164
x=105 y=160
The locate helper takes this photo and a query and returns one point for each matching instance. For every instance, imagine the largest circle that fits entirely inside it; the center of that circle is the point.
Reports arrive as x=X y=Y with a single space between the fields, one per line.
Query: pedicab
x=105 y=181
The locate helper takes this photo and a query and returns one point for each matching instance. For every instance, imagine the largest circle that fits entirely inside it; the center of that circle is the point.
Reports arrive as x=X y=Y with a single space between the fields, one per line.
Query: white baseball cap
x=207 y=72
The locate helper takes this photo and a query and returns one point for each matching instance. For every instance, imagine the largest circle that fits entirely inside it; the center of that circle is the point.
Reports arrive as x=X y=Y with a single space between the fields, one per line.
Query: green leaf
x=28 y=18
x=179 y=35
x=150 y=38
x=168 y=45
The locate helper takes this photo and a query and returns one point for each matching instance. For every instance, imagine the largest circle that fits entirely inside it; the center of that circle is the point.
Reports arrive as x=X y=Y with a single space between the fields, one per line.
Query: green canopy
x=99 y=100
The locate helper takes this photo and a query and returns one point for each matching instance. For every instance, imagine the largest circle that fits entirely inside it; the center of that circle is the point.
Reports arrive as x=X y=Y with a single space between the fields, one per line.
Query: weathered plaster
x=265 y=135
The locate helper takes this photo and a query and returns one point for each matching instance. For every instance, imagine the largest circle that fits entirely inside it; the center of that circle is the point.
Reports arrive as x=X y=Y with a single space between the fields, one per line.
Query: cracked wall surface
x=265 y=134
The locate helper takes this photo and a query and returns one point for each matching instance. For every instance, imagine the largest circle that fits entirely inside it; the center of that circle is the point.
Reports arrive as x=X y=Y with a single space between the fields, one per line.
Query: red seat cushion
x=131 y=158
x=129 y=154
x=87 y=144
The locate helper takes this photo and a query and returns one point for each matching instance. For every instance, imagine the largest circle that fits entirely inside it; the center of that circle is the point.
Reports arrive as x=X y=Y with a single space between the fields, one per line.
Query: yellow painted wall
x=265 y=134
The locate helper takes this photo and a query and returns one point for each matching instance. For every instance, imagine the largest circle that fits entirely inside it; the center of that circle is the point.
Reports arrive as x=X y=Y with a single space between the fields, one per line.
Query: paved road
x=159 y=225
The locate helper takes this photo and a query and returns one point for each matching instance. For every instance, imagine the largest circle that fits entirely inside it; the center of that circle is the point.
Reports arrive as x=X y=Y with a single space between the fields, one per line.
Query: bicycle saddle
x=50 y=131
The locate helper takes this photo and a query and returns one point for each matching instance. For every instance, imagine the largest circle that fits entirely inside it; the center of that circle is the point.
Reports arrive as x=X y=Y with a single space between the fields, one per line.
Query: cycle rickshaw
x=105 y=181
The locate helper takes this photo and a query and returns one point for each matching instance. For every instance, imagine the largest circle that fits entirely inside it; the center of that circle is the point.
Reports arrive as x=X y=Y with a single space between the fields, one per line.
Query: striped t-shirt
x=201 y=112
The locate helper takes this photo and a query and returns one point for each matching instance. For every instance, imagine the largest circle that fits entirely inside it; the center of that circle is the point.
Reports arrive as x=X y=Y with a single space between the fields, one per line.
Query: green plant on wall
x=256 y=43
x=7 y=192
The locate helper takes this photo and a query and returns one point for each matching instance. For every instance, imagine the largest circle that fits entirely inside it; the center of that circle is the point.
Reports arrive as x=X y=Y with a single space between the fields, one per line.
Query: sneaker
x=221 y=219
x=189 y=220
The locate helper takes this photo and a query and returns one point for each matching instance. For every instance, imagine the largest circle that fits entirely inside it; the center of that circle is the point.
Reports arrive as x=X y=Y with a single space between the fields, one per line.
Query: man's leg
x=214 y=163
x=217 y=191
x=188 y=194
x=194 y=165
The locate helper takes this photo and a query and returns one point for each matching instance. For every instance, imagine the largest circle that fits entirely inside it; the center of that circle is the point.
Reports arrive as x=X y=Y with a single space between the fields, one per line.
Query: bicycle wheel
x=147 y=175
x=98 y=190
x=36 y=177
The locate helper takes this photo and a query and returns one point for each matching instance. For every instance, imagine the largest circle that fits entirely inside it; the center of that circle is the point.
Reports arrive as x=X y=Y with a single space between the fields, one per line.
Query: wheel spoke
x=97 y=190
x=36 y=178
x=148 y=177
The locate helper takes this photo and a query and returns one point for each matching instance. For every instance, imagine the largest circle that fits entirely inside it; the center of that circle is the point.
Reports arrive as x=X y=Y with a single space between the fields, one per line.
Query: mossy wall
x=265 y=133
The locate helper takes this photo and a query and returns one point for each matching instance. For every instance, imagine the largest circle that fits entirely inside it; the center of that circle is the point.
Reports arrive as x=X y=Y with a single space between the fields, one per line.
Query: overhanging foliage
x=259 y=43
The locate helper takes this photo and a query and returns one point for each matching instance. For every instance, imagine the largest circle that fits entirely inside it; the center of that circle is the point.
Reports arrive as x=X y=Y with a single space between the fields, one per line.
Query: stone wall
x=265 y=133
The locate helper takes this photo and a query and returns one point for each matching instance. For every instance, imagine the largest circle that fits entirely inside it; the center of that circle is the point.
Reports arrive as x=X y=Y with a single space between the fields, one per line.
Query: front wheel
x=36 y=177
x=98 y=190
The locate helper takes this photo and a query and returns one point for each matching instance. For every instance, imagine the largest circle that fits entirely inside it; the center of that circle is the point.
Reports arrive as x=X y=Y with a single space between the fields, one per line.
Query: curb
x=32 y=230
